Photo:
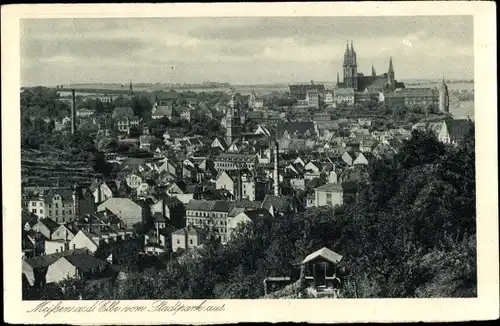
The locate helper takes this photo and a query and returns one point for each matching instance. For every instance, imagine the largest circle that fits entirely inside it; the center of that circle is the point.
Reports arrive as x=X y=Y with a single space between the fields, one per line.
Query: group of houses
x=190 y=189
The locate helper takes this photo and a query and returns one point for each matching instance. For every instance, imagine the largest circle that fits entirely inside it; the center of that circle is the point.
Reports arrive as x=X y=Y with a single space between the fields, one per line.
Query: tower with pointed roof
x=233 y=121
x=391 y=81
x=373 y=71
x=444 y=99
x=350 y=67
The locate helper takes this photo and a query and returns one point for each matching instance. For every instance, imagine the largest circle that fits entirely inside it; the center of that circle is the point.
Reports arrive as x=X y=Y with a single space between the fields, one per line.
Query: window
x=57 y=205
x=178 y=241
x=190 y=241
x=57 y=212
x=33 y=210
x=40 y=204
x=50 y=205
x=41 y=211
x=69 y=212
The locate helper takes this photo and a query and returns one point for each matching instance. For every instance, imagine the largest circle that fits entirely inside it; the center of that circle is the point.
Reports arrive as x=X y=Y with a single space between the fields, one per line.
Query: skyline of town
x=240 y=50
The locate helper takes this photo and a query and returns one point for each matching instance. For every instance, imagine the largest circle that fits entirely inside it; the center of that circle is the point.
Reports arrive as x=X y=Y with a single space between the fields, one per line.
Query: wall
x=60 y=270
x=178 y=241
x=81 y=241
x=52 y=246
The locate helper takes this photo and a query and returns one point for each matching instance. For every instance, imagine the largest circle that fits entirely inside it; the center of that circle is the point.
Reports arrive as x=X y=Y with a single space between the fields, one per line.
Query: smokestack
x=276 y=171
x=73 y=112
x=240 y=185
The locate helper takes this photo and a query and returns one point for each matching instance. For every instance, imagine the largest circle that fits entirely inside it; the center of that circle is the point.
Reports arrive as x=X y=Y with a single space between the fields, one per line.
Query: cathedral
x=356 y=87
x=359 y=82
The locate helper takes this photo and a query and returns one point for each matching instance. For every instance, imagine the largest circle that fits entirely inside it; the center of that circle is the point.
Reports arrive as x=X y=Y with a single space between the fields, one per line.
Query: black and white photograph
x=206 y=158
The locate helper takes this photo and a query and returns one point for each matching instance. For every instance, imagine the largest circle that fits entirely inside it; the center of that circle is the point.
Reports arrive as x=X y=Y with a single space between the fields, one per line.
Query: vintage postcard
x=268 y=162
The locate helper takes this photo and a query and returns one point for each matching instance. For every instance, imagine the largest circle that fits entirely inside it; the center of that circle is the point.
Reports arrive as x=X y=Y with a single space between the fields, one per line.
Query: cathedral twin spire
x=350 y=55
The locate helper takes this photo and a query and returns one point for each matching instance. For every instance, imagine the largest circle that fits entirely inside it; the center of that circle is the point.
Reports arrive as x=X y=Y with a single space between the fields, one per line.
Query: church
x=359 y=82
x=356 y=87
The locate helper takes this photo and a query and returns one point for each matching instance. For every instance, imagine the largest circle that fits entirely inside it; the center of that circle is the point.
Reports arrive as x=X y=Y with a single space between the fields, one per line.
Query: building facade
x=62 y=204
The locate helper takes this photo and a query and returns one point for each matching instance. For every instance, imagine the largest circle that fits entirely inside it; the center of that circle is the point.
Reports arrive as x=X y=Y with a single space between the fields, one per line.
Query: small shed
x=320 y=268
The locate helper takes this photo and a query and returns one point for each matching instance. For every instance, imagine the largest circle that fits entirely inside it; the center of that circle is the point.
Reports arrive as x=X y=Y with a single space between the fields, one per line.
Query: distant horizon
x=241 y=51
x=126 y=84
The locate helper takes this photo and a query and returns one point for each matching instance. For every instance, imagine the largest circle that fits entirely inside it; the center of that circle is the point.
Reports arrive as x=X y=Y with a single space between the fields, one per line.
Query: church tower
x=350 y=67
x=373 y=71
x=233 y=122
x=444 y=100
x=391 y=81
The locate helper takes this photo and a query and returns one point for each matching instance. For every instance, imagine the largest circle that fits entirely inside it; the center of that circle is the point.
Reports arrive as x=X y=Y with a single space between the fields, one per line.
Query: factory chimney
x=276 y=169
x=240 y=185
x=73 y=112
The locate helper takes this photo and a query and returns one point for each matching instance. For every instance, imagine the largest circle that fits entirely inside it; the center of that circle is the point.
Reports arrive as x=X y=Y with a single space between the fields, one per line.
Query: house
x=225 y=181
x=101 y=219
x=168 y=166
x=312 y=170
x=278 y=204
x=122 y=111
x=321 y=269
x=310 y=200
x=234 y=161
x=262 y=130
x=298 y=184
x=171 y=209
x=333 y=194
x=344 y=95
x=82 y=266
x=133 y=180
x=146 y=187
x=363 y=158
x=188 y=238
x=367 y=144
x=210 y=213
x=145 y=142
x=329 y=98
x=84 y=113
x=46 y=227
x=349 y=157
x=33 y=243
x=124 y=124
x=296 y=130
x=332 y=177
x=62 y=204
x=249 y=216
x=183 y=191
x=35 y=268
x=364 y=122
x=116 y=246
x=128 y=211
x=187 y=114
x=300 y=161
x=161 y=111
x=60 y=238
x=103 y=190
x=219 y=143
x=453 y=131
x=159 y=241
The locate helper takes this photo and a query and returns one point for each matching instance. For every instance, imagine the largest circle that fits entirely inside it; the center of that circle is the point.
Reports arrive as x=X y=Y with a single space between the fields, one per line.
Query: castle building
x=233 y=122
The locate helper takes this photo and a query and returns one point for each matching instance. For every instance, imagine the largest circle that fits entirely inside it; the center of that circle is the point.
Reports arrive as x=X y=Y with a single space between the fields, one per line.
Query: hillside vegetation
x=411 y=233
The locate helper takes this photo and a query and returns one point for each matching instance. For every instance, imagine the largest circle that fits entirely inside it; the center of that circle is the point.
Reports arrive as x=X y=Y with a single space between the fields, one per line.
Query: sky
x=259 y=50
